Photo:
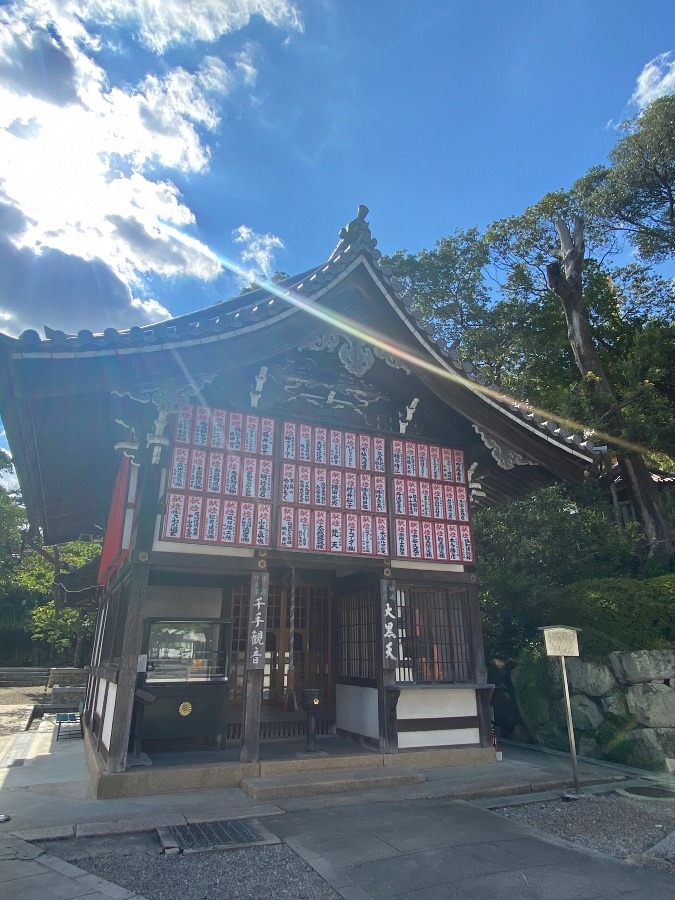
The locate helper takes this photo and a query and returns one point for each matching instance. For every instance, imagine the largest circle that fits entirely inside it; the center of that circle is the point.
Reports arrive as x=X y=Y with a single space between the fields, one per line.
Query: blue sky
x=143 y=143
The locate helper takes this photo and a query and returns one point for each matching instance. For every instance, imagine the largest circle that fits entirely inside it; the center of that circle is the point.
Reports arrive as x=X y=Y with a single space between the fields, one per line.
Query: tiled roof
x=259 y=306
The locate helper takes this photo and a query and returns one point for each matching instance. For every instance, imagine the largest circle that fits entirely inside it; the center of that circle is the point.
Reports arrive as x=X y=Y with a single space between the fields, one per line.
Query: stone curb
x=92 y=883
x=47 y=833
x=665 y=849
x=127 y=826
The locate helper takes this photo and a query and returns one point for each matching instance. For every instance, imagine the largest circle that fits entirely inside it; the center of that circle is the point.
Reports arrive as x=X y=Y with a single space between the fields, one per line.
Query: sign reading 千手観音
x=257 y=624
x=561 y=640
x=389 y=623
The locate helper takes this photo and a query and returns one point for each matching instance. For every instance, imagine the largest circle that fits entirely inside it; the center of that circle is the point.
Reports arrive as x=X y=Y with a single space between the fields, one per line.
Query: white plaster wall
x=436 y=703
x=182 y=602
x=109 y=713
x=100 y=696
x=450 y=738
x=356 y=710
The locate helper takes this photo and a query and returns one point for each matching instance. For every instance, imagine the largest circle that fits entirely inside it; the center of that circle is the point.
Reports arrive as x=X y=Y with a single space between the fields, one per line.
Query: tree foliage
x=532 y=547
x=556 y=316
x=447 y=284
x=635 y=195
x=65 y=630
x=27 y=610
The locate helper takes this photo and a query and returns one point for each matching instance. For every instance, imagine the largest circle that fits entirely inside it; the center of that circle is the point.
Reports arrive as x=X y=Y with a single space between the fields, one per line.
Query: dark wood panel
x=450 y=724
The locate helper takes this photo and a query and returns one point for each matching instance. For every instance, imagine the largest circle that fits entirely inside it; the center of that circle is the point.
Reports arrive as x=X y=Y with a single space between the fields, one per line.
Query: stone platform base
x=139 y=782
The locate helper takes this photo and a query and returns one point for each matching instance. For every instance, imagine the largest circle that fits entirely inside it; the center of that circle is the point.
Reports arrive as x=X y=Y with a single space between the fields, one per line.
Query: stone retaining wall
x=623 y=711
x=68 y=676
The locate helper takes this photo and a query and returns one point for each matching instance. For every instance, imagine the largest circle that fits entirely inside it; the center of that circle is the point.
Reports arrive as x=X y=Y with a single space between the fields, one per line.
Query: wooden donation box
x=187 y=675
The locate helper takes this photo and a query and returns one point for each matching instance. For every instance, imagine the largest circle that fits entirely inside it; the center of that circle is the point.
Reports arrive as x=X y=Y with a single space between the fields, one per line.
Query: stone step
x=307 y=784
x=26 y=676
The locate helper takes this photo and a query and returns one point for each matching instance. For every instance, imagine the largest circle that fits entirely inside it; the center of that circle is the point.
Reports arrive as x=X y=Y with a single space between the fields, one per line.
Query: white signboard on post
x=561 y=641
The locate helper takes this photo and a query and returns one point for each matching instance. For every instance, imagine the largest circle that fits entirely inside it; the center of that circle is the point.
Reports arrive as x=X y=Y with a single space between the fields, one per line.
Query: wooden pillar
x=255 y=666
x=126 y=678
x=484 y=690
x=132 y=623
x=386 y=660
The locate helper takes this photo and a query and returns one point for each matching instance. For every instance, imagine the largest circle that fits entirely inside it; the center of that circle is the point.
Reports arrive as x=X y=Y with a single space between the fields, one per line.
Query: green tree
x=12 y=523
x=532 y=547
x=635 y=195
x=548 y=241
x=66 y=630
x=447 y=284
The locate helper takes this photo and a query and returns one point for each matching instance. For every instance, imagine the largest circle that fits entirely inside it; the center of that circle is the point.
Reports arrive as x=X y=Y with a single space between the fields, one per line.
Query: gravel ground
x=135 y=862
x=15 y=704
x=13 y=696
x=618 y=826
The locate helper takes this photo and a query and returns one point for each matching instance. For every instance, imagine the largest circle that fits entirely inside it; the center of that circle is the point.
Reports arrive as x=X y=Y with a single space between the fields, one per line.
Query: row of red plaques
x=233 y=432
x=239 y=523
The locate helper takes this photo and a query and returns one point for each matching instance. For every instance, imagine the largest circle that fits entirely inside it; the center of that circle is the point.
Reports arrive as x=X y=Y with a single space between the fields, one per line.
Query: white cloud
x=85 y=166
x=165 y=23
x=656 y=79
x=259 y=249
x=153 y=309
x=245 y=65
x=9 y=481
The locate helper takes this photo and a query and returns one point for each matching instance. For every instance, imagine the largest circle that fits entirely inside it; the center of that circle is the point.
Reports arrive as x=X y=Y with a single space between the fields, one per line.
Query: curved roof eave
x=260 y=309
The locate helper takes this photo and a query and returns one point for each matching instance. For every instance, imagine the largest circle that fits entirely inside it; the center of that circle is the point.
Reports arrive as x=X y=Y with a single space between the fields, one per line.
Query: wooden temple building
x=285 y=483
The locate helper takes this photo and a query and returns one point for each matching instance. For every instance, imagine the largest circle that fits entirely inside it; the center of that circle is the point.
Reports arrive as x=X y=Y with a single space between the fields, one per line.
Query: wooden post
x=126 y=678
x=484 y=690
x=255 y=667
x=386 y=660
x=133 y=622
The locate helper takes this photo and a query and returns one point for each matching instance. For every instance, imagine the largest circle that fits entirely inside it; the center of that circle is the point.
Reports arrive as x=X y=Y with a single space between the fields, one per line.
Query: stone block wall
x=68 y=686
x=68 y=676
x=623 y=711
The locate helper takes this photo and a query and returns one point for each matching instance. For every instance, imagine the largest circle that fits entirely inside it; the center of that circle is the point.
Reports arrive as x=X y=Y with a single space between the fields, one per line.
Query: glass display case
x=188 y=650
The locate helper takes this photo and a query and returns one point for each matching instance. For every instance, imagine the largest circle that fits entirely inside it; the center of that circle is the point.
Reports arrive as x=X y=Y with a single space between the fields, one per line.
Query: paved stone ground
x=15 y=704
x=414 y=842
x=415 y=849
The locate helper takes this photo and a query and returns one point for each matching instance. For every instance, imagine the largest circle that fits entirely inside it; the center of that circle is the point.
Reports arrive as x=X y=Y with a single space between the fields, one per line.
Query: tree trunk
x=78 y=654
x=565 y=280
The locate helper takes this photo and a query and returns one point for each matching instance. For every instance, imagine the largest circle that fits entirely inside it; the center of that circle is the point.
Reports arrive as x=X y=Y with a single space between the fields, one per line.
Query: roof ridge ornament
x=356 y=236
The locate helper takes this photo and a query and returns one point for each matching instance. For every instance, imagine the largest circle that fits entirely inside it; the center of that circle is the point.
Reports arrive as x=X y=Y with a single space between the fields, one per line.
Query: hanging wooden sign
x=389 y=624
x=257 y=622
x=212 y=520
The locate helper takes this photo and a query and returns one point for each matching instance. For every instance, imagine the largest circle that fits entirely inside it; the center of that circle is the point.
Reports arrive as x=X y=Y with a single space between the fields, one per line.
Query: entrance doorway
x=295 y=657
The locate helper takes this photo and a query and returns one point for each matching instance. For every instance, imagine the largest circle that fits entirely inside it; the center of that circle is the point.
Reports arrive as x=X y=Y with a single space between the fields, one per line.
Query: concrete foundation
x=165 y=779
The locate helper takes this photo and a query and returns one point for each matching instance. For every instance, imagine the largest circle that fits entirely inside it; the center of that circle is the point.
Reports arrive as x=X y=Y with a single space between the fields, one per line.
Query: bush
x=613 y=742
x=17 y=647
x=627 y=613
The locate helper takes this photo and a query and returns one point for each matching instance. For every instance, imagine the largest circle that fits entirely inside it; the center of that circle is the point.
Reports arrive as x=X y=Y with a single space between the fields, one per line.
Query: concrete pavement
x=413 y=841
